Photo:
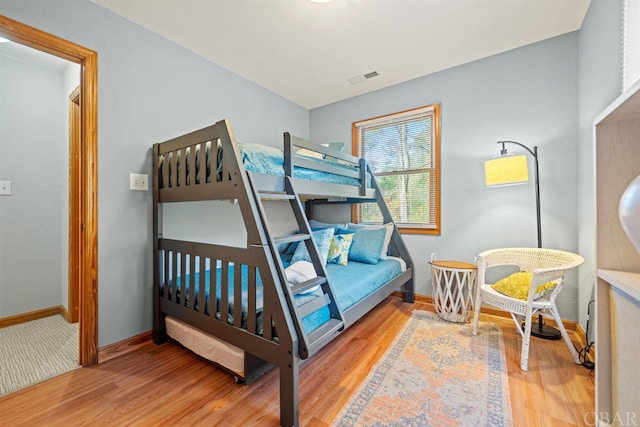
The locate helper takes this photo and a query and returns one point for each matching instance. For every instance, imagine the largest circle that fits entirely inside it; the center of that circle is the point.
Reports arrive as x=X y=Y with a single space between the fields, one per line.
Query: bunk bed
x=250 y=309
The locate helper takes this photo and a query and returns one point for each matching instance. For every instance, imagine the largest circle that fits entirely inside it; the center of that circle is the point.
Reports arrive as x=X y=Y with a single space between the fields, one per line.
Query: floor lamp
x=510 y=170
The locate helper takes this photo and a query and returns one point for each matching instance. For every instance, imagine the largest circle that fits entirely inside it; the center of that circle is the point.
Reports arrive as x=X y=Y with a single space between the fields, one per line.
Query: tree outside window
x=402 y=151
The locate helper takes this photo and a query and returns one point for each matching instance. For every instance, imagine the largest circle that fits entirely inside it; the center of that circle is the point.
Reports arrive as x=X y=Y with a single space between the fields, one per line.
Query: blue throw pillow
x=367 y=245
x=323 y=240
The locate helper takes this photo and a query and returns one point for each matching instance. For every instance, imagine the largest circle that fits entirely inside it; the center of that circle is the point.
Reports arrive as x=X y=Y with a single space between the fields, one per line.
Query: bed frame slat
x=192 y=281
x=224 y=292
x=174 y=278
x=192 y=178
x=237 y=295
x=203 y=163
x=213 y=289
x=173 y=169
x=202 y=306
x=267 y=318
x=251 y=301
x=183 y=281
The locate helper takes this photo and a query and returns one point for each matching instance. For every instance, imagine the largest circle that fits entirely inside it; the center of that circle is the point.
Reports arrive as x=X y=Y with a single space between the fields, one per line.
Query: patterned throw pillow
x=339 y=249
x=517 y=286
x=323 y=240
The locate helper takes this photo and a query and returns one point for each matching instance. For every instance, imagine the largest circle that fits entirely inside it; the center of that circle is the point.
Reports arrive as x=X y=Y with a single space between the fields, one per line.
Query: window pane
x=407 y=197
x=398 y=147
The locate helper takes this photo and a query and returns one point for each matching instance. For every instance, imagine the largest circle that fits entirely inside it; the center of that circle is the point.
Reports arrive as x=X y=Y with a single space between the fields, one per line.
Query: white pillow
x=301 y=271
x=387 y=237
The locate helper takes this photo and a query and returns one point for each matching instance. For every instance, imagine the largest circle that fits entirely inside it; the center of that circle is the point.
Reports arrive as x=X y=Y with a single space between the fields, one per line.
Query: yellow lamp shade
x=506 y=170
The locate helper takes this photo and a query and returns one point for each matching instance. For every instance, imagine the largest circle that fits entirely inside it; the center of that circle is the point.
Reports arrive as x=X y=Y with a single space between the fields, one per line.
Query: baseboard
x=122 y=347
x=569 y=325
x=65 y=313
x=32 y=315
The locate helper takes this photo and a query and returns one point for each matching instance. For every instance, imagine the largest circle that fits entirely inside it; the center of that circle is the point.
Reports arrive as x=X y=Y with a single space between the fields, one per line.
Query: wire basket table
x=454 y=288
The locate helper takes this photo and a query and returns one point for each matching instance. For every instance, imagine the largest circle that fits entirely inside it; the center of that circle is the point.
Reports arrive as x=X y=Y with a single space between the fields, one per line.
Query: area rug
x=35 y=351
x=436 y=373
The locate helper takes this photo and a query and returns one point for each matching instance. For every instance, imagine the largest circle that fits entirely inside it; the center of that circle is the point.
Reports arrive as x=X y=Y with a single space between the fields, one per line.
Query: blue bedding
x=269 y=160
x=351 y=284
x=263 y=159
x=355 y=281
x=310 y=322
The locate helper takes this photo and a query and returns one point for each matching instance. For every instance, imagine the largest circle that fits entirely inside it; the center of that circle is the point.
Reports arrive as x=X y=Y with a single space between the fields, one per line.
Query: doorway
x=84 y=224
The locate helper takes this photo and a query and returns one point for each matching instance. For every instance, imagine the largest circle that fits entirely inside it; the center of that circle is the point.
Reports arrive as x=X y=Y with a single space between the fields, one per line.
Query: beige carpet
x=35 y=351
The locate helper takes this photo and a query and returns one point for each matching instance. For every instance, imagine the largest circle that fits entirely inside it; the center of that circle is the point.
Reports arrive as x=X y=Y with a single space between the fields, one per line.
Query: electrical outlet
x=5 y=188
x=138 y=181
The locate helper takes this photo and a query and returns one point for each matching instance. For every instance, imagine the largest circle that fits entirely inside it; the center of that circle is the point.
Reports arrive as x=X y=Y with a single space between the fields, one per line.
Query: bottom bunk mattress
x=351 y=284
x=230 y=275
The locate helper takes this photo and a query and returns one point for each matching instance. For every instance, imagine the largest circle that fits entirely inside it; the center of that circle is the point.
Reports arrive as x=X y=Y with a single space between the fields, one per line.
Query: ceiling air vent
x=358 y=79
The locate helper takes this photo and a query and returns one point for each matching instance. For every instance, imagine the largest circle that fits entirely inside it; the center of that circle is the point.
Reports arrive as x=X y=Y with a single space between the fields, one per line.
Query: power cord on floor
x=584 y=353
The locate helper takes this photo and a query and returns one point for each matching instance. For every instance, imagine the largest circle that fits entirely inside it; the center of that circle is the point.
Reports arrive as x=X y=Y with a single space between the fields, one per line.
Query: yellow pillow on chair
x=517 y=286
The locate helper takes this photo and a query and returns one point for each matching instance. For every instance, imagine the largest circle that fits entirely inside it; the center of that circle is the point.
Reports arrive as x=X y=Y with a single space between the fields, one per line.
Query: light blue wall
x=600 y=82
x=529 y=95
x=33 y=156
x=149 y=90
x=544 y=94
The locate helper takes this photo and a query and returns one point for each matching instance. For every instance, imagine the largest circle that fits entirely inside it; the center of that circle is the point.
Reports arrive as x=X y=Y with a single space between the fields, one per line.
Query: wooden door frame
x=88 y=218
x=75 y=207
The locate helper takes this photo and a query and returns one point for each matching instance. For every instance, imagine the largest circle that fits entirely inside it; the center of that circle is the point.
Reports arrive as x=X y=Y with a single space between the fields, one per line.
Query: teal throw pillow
x=367 y=245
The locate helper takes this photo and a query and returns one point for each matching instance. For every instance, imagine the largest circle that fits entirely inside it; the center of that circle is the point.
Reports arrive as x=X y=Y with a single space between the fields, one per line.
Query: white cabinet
x=617 y=163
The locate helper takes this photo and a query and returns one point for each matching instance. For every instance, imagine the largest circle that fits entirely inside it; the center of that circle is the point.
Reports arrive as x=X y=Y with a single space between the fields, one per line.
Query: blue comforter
x=269 y=160
x=310 y=322
x=350 y=283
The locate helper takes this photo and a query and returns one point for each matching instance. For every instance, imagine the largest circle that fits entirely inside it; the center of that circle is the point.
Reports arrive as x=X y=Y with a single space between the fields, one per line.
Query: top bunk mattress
x=257 y=158
x=270 y=161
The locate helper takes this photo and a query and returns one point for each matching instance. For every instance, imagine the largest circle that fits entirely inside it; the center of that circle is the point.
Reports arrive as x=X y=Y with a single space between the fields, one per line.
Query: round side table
x=454 y=288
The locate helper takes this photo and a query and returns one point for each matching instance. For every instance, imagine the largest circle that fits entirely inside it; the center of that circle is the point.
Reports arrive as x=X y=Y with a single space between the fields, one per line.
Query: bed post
x=363 y=176
x=289 y=399
x=288 y=152
x=158 y=321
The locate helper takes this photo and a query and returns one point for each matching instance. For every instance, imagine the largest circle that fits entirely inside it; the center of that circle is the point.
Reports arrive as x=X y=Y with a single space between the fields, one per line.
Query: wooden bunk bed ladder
x=308 y=343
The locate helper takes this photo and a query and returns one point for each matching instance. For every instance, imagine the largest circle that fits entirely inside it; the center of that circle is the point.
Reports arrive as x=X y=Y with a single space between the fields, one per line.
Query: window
x=403 y=152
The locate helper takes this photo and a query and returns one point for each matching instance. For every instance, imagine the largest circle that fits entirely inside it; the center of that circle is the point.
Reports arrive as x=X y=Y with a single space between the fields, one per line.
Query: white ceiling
x=307 y=52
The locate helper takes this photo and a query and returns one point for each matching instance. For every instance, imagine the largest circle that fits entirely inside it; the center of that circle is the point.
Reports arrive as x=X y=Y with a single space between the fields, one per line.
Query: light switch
x=138 y=181
x=5 y=188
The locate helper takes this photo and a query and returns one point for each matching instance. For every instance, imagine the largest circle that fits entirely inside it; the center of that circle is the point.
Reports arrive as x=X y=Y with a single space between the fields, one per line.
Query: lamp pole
x=542 y=331
x=534 y=153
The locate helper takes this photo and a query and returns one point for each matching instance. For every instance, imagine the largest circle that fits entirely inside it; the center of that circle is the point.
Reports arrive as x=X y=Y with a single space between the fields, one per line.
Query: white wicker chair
x=546 y=265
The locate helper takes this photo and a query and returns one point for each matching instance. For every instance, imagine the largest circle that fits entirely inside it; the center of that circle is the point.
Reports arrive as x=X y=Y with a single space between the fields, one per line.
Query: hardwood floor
x=168 y=385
